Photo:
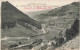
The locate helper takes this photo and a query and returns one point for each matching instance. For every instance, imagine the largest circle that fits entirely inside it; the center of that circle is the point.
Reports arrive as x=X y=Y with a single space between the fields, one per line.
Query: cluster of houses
x=39 y=44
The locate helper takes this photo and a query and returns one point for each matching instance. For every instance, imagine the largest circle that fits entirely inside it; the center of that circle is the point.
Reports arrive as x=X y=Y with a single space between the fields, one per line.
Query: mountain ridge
x=69 y=9
x=10 y=15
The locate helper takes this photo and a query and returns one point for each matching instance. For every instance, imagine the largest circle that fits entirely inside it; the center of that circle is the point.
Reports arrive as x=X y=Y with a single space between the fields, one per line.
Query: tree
x=75 y=26
x=73 y=31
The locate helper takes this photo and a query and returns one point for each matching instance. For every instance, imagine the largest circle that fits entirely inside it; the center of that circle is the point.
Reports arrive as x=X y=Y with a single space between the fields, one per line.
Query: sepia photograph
x=40 y=24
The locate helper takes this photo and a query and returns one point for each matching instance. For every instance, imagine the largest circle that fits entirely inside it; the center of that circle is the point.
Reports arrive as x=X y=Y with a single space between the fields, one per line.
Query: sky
x=29 y=5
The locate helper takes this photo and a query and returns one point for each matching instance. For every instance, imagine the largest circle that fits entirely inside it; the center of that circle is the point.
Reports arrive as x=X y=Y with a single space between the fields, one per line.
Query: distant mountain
x=10 y=15
x=32 y=14
x=66 y=10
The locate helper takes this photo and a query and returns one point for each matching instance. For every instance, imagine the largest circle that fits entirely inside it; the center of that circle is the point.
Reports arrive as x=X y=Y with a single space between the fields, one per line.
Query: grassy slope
x=18 y=31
